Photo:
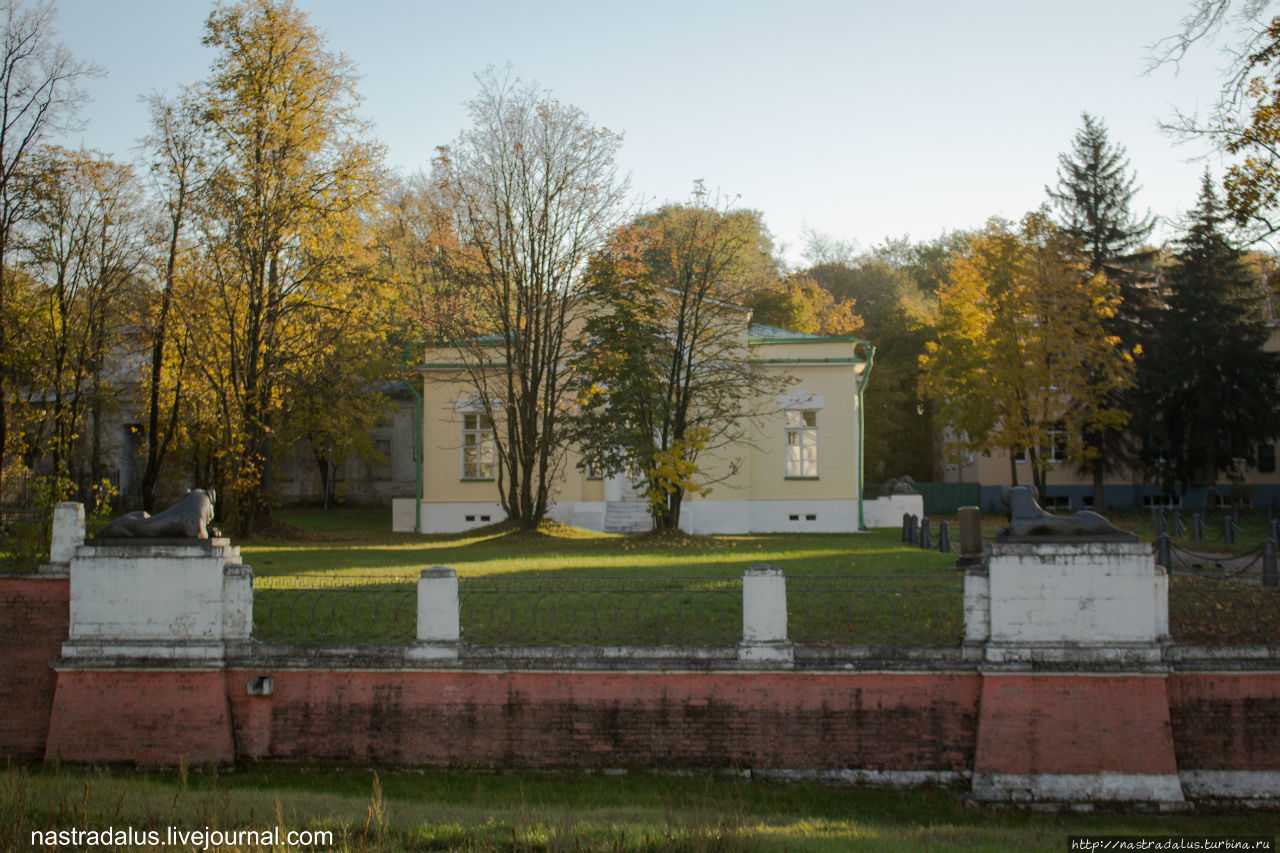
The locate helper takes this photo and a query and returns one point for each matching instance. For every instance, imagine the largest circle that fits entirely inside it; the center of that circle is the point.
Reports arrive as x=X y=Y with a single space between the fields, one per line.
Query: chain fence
x=601 y=610
x=900 y=609
x=335 y=610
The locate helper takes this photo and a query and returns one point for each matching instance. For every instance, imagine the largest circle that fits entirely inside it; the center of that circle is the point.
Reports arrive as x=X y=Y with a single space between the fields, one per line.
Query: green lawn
x=343 y=577
x=571 y=810
x=567 y=586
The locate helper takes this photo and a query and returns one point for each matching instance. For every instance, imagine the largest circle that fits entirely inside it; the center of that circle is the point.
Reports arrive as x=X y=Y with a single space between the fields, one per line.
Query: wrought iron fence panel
x=24 y=538
x=905 y=610
x=1222 y=608
x=601 y=610
x=329 y=610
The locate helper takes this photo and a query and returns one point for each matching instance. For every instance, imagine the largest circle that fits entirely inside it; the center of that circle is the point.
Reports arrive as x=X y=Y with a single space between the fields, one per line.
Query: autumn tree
x=1019 y=327
x=39 y=94
x=531 y=191
x=801 y=304
x=1207 y=387
x=892 y=307
x=83 y=244
x=178 y=165
x=285 y=218
x=666 y=382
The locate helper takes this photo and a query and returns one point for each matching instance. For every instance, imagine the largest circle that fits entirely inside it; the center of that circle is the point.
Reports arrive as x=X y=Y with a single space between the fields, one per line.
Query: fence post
x=1197 y=527
x=1157 y=520
x=1176 y=528
x=439 y=628
x=764 y=617
x=1164 y=551
x=926 y=541
x=906 y=527
x=1270 y=576
x=970 y=520
x=1228 y=531
x=68 y=531
x=944 y=538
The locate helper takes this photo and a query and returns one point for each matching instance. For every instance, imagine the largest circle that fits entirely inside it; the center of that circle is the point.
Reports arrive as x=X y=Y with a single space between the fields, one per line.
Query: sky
x=853 y=119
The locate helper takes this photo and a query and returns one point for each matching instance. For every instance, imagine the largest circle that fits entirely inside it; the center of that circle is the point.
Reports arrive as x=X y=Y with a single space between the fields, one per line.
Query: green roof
x=761 y=332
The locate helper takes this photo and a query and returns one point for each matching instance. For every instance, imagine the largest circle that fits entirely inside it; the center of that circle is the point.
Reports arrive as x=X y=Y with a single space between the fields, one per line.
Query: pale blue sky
x=859 y=119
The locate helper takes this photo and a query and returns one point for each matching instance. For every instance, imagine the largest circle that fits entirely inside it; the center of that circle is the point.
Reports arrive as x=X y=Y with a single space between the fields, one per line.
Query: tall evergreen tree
x=1094 y=195
x=1207 y=388
x=1093 y=203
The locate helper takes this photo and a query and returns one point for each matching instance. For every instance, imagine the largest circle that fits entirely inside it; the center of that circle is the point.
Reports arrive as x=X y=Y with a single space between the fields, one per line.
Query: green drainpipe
x=417 y=445
x=862 y=386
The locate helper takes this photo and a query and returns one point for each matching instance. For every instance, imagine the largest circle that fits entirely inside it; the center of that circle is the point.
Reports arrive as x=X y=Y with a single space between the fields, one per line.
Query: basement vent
x=794 y=517
x=810 y=518
x=261 y=685
x=471 y=518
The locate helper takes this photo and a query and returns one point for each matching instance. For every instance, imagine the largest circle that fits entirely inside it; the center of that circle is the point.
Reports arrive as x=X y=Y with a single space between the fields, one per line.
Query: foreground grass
x=524 y=811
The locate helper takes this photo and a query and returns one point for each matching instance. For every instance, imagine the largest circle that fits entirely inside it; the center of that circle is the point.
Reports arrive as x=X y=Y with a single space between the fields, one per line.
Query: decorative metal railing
x=608 y=610
x=335 y=609
x=899 y=609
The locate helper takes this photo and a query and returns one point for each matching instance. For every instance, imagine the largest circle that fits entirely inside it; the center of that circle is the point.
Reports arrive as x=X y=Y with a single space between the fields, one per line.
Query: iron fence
x=335 y=610
x=601 y=610
x=900 y=609
x=24 y=539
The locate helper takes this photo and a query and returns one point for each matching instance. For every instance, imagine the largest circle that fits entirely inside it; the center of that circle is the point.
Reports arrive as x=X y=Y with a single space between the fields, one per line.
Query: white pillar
x=439 y=628
x=764 y=617
x=68 y=531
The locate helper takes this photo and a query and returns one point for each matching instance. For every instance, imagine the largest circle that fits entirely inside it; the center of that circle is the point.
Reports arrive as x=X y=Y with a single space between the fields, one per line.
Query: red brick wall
x=34 y=615
x=152 y=717
x=1226 y=721
x=527 y=719
x=1036 y=723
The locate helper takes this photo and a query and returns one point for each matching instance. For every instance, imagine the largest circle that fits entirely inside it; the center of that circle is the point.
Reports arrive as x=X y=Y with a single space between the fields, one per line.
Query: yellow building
x=800 y=472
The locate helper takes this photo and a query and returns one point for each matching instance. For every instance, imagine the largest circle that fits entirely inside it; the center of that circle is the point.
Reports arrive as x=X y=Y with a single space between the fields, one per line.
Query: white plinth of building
x=160 y=599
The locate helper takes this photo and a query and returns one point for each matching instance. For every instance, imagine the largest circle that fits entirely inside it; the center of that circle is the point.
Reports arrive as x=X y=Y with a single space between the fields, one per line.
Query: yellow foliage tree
x=1020 y=338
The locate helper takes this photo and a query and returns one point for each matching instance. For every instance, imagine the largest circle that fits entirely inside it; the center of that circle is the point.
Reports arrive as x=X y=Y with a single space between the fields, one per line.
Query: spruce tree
x=1207 y=388
x=1094 y=194
x=1093 y=204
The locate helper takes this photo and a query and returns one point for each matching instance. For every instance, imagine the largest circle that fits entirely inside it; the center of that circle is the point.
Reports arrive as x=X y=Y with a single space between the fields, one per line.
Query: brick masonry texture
x=154 y=717
x=1226 y=721
x=1034 y=724
x=946 y=720
x=33 y=623
x=533 y=719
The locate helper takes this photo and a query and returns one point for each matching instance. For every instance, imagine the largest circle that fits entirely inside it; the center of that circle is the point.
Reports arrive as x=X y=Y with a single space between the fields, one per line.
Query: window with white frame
x=1057 y=449
x=802 y=444
x=477 y=446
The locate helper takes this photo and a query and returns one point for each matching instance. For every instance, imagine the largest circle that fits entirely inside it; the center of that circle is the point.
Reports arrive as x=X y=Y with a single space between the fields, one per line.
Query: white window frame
x=477 y=437
x=800 y=444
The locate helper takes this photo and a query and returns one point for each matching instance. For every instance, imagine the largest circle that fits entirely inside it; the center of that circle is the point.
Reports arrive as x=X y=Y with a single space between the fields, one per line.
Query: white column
x=764 y=617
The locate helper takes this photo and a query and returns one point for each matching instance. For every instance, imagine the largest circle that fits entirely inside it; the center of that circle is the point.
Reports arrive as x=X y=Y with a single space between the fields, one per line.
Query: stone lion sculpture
x=187 y=519
x=1030 y=522
x=903 y=485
